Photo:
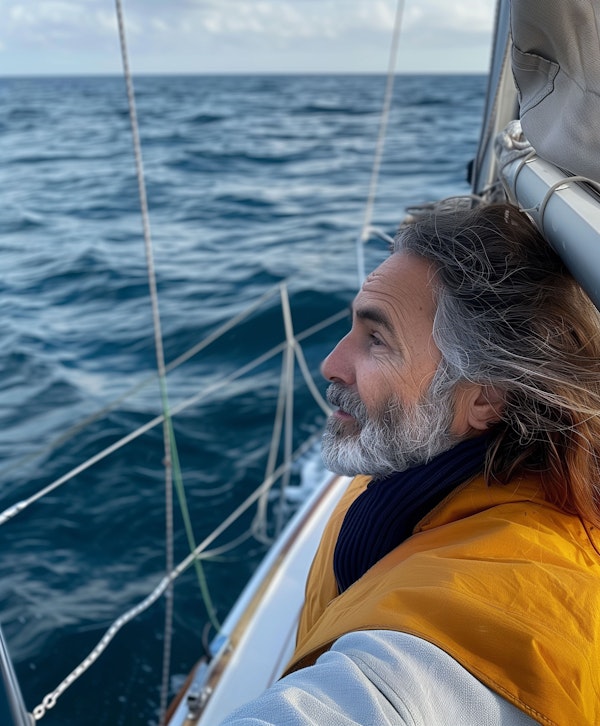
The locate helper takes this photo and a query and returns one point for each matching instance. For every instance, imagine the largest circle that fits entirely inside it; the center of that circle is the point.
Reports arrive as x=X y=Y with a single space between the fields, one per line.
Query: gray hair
x=509 y=315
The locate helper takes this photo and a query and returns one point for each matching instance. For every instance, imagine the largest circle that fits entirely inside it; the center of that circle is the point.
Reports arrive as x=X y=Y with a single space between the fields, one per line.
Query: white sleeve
x=380 y=677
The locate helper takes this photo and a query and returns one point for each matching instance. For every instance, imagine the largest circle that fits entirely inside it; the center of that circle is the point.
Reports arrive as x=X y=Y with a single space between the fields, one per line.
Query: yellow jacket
x=497 y=577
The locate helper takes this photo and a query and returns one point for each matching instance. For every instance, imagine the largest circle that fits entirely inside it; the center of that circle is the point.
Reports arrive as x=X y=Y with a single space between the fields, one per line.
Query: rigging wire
x=383 y=123
x=168 y=438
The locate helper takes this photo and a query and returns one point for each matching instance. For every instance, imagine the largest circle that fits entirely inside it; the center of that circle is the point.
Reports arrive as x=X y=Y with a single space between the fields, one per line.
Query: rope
x=168 y=437
x=259 y=525
x=486 y=135
x=377 y=232
x=284 y=411
x=309 y=380
x=385 y=114
x=289 y=403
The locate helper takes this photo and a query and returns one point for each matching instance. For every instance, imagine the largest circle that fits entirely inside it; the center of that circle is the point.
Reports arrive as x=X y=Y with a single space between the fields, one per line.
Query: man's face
x=381 y=373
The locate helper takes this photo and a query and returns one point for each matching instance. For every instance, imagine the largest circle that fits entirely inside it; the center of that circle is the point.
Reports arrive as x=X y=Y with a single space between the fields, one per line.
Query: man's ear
x=486 y=407
x=477 y=407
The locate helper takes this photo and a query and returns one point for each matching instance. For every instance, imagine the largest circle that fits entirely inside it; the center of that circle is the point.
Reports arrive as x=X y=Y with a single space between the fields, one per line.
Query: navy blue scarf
x=386 y=513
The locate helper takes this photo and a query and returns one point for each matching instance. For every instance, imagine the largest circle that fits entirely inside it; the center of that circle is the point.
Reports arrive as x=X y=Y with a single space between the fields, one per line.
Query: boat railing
x=292 y=352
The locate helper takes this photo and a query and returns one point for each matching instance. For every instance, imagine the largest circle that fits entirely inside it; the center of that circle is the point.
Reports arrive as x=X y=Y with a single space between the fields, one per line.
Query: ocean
x=253 y=181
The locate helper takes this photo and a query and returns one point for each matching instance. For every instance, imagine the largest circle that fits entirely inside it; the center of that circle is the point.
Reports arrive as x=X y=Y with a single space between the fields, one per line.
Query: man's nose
x=337 y=367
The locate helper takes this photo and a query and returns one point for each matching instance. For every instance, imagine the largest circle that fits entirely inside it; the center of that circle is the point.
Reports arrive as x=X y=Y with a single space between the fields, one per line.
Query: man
x=459 y=582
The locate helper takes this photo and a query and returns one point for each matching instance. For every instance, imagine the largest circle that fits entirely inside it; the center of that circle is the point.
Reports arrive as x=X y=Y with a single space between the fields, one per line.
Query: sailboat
x=557 y=184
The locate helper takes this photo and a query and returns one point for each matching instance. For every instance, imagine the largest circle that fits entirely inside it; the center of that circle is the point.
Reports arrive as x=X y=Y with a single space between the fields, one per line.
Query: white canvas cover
x=556 y=66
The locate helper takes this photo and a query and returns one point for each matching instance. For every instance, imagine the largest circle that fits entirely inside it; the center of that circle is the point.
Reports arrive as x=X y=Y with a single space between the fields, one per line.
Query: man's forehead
x=403 y=282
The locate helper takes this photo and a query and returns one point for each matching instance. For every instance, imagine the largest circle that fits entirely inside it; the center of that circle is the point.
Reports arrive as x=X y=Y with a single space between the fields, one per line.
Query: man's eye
x=375 y=339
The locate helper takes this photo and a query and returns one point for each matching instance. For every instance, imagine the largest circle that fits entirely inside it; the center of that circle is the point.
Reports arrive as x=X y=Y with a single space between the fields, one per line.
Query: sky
x=67 y=37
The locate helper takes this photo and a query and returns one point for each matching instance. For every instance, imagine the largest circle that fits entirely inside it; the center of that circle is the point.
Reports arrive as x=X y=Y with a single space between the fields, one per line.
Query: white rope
x=168 y=435
x=285 y=410
x=17 y=508
x=49 y=701
x=289 y=403
x=309 y=380
x=385 y=114
x=183 y=358
x=259 y=525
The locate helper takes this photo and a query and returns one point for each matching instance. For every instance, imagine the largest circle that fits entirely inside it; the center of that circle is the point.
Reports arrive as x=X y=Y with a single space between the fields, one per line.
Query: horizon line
x=119 y=74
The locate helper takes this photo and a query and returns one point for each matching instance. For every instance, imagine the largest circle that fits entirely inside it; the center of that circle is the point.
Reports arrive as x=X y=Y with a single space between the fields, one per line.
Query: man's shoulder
x=476 y=496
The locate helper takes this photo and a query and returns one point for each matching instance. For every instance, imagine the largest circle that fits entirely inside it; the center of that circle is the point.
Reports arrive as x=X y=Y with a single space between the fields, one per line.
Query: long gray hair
x=510 y=316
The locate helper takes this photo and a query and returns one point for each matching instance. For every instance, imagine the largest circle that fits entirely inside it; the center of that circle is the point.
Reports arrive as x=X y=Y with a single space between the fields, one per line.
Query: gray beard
x=394 y=438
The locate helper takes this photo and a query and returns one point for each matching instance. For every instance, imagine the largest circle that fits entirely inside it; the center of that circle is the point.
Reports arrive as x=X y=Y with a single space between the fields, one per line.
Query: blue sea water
x=252 y=181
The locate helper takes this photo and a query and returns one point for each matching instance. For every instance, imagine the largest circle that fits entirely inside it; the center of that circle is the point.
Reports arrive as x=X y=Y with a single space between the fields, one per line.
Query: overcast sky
x=208 y=36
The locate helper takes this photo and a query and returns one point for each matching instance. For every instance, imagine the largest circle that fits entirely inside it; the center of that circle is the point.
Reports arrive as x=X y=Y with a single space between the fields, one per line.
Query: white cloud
x=197 y=35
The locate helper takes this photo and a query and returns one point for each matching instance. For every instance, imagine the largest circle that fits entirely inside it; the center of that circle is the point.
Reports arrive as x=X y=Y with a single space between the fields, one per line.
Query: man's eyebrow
x=375 y=315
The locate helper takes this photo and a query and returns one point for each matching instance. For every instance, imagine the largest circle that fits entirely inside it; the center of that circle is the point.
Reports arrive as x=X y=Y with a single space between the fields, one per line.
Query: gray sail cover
x=556 y=65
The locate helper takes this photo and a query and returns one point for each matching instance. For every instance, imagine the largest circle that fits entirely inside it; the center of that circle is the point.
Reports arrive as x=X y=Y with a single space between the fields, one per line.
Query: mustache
x=347 y=400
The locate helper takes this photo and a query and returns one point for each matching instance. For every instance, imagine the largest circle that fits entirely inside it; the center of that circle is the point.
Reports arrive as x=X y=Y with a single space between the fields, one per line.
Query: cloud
x=197 y=35
x=290 y=18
